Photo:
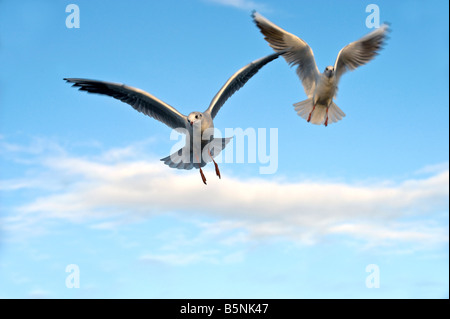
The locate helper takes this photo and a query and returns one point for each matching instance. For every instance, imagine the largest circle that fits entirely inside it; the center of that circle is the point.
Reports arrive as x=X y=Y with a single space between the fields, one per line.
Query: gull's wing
x=360 y=52
x=140 y=100
x=297 y=51
x=236 y=81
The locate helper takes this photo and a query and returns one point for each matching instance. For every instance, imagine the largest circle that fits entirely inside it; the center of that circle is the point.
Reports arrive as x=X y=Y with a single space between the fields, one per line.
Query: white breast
x=325 y=90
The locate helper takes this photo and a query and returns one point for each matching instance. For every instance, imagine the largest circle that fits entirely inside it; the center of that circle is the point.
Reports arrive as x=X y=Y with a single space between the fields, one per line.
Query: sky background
x=81 y=182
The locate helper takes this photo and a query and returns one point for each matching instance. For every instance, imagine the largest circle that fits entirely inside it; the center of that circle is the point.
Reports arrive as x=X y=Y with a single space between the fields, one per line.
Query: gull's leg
x=203 y=176
x=326 y=121
x=215 y=165
x=309 y=117
x=201 y=171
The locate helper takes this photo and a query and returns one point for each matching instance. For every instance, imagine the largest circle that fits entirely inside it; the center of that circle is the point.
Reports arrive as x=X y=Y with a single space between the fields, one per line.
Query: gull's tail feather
x=215 y=147
x=318 y=115
x=181 y=159
x=306 y=110
x=184 y=158
x=335 y=114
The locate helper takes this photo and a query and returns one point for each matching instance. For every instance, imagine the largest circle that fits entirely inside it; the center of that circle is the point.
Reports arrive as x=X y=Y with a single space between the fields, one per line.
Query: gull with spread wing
x=197 y=151
x=320 y=88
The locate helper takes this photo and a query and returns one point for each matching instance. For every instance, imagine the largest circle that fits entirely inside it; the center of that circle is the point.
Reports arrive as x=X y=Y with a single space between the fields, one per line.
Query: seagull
x=320 y=88
x=201 y=147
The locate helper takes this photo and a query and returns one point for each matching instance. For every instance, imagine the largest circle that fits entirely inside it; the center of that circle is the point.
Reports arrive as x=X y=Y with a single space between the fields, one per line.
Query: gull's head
x=194 y=117
x=329 y=71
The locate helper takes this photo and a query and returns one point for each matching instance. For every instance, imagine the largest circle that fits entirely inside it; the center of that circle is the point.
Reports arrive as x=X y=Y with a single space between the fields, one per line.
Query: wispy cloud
x=117 y=187
x=177 y=259
x=183 y=259
x=241 y=4
x=39 y=294
x=432 y=169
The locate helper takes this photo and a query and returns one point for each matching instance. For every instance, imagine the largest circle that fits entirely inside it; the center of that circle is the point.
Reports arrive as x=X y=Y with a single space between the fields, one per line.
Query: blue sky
x=81 y=182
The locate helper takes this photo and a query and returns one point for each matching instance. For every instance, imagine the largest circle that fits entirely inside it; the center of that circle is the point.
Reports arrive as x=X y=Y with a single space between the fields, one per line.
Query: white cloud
x=177 y=258
x=39 y=294
x=432 y=169
x=241 y=4
x=116 y=187
x=181 y=259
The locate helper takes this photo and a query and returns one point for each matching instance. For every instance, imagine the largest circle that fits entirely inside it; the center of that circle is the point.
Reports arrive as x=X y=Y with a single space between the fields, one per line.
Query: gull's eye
x=196 y=116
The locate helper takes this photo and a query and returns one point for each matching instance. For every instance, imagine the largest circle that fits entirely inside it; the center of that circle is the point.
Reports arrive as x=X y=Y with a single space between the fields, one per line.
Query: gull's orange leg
x=309 y=117
x=203 y=176
x=326 y=121
x=201 y=171
x=215 y=165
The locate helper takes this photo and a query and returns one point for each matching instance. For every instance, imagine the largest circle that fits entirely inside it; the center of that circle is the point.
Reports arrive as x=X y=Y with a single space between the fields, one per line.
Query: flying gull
x=320 y=88
x=201 y=147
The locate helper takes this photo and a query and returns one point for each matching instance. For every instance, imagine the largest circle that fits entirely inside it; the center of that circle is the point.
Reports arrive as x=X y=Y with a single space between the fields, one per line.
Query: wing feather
x=360 y=52
x=297 y=52
x=140 y=100
x=237 y=81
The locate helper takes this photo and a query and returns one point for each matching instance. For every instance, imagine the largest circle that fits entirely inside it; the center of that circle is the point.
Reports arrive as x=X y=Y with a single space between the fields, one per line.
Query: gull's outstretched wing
x=138 y=99
x=297 y=51
x=360 y=52
x=236 y=81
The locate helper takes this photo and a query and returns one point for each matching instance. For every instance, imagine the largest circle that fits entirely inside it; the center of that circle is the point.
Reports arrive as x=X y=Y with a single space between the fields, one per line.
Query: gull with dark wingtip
x=196 y=152
x=320 y=88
